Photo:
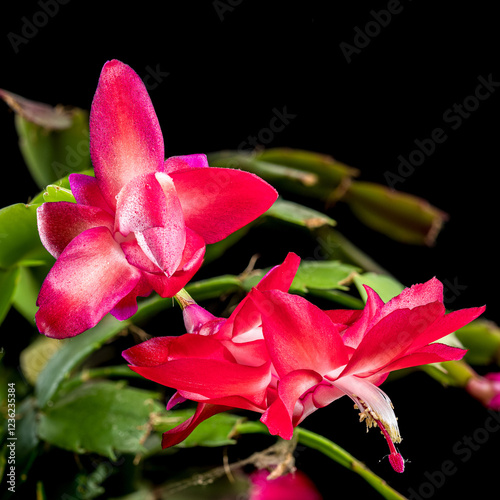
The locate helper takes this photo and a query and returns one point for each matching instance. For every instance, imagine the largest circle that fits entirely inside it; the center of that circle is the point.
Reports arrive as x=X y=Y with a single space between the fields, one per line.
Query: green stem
x=183 y=298
x=453 y=373
x=331 y=450
x=335 y=246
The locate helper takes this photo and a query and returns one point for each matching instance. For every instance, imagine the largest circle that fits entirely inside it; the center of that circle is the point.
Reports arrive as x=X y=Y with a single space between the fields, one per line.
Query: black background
x=229 y=68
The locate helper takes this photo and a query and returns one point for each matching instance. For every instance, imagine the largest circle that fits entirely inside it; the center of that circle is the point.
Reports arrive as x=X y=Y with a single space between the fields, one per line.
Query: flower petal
x=353 y=336
x=179 y=163
x=177 y=434
x=279 y=416
x=199 y=365
x=433 y=353
x=281 y=277
x=391 y=337
x=90 y=277
x=447 y=324
x=125 y=136
x=86 y=191
x=246 y=317
x=211 y=378
x=59 y=222
x=136 y=257
x=414 y=296
x=127 y=306
x=195 y=317
x=218 y=201
x=359 y=389
x=298 y=334
x=141 y=205
x=192 y=258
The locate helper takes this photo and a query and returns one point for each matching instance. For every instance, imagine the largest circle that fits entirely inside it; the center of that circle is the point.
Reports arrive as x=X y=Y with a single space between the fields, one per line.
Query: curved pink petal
x=344 y=316
x=60 y=222
x=141 y=205
x=86 y=191
x=246 y=315
x=253 y=353
x=149 y=206
x=447 y=324
x=433 y=353
x=88 y=279
x=176 y=399
x=366 y=394
x=136 y=257
x=192 y=258
x=279 y=416
x=179 y=163
x=127 y=306
x=160 y=350
x=391 y=337
x=218 y=201
x=281 y=277
x=125 y=136
x=211 y=378
x=177 y=434
x=164 y=246
x=414 y=296
x=195 y=318
x=298 y=334
x=353 y=336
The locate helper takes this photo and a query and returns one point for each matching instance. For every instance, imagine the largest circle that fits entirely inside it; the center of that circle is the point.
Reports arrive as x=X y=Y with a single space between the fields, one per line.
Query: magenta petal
x=195 y=317
x=136 y=257
x=60 y=222
x=163 y=247
x=414 y=296
x=433 y=353
x=192 y=258
x=127 y=306
x=90 y=277
x=157 y=219
x=179 y=163
x=298 y=334
x=246 y=316
x=125 y=136
x=211 y=378
x=391 y=337
x=447 y=324
x=279 y=416
x=141 y=205
x=218 y=201
x=281 y=277
x=152 y=352
x=353 y=336
x=86 y=191
x=344 y=316
x=177 y=434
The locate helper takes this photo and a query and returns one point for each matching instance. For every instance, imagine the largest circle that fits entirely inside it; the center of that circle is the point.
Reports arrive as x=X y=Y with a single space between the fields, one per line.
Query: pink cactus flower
x=319 y=356
x=293 y=486
x=220 y=363
x=142 y=223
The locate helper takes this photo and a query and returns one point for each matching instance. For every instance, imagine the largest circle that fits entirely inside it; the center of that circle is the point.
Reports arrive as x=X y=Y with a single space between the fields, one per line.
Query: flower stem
x=183 y=299
x=331 y=450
